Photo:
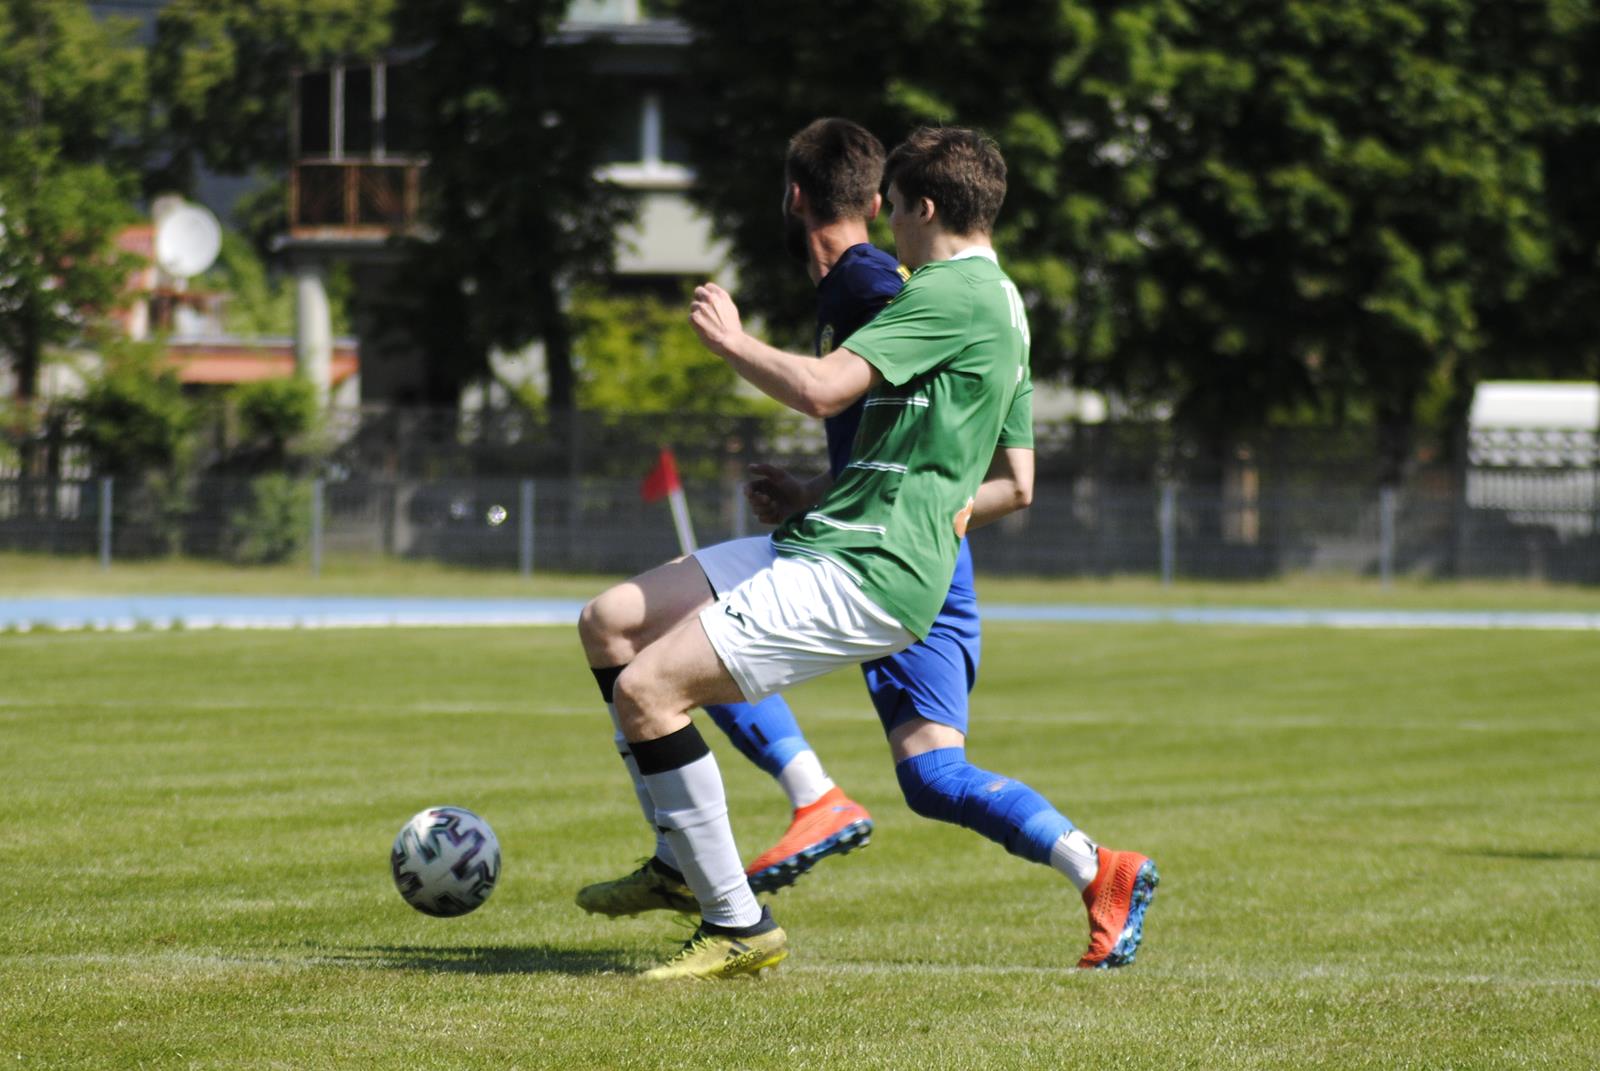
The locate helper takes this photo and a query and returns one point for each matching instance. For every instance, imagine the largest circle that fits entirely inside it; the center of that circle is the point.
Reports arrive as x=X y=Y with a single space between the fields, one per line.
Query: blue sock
x=941 y=784
x=765 y=732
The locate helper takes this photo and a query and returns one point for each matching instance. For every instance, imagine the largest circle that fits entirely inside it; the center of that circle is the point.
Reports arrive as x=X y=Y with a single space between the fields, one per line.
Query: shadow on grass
x=1531 y=856
x=466 y=959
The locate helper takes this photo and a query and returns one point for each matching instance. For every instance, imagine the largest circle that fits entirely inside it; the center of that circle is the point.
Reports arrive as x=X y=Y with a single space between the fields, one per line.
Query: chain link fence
x=1074 y=528
x=515 y=490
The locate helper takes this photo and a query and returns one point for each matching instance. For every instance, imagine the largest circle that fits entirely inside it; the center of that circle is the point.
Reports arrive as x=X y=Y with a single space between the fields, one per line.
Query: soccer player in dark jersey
x=832 y=172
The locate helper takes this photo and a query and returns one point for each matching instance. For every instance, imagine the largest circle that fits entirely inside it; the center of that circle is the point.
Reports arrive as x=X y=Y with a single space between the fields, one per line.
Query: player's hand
x=774 y=493
x=715 y=318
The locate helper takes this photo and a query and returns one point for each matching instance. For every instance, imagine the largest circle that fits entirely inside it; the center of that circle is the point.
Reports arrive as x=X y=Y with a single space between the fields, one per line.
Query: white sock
x=804 y=780
x=1075 y=856
x=642 y=793
x=691 y=804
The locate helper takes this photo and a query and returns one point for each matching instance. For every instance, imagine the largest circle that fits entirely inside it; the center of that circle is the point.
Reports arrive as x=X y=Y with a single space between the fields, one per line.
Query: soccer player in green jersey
x=861 y=575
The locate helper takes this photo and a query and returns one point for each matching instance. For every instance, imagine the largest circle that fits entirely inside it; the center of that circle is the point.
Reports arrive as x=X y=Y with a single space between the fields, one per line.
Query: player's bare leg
x=654 y=695
x=614 y=627
x=626 y=618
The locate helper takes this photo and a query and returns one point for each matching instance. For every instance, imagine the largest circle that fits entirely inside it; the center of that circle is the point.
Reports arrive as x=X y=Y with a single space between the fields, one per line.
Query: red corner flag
x=662 y=483
x=663 y=479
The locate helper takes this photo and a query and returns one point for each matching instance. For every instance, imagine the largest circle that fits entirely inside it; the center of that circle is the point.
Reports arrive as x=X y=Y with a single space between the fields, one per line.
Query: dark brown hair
x=961 y=171
x=838 y=165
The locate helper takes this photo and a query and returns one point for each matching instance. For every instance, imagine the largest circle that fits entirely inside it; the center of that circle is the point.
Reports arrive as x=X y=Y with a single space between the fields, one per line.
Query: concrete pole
x=105 y=521
x=316 y=527
x=525 y=529
x=313 y=328
x=1386 y=535
x=1167 y=524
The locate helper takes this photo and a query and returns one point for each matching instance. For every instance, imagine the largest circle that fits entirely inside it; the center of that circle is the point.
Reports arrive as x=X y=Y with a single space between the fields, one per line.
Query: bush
x=276 y=525
x=134 y=418
x=275 y=414
x=638 y=354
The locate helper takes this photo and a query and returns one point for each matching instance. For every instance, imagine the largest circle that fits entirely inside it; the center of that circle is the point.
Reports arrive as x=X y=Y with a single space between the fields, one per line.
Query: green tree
x=221 y=76
x=133 y=417
x=277 y=417
x=639 y=355
x=70 y=103
x=1552 y=330
x=1337 y=209
x=260 y=301
x=1244 y=209
x=515 y=123
x=1058 y=84
x=516 y=127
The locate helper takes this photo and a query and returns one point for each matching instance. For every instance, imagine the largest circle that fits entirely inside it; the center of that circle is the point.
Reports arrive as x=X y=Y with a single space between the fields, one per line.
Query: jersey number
x=1019 y=314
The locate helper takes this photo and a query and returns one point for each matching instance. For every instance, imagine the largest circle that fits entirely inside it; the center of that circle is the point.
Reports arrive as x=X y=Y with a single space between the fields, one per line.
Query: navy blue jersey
x=854 y=291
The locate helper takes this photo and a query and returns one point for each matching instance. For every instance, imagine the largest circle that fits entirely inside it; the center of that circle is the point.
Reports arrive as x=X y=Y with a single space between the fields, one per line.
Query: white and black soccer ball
x=445 y=861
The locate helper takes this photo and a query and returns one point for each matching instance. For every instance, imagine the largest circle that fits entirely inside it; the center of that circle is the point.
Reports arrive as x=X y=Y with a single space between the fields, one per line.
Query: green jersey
x=952 y=348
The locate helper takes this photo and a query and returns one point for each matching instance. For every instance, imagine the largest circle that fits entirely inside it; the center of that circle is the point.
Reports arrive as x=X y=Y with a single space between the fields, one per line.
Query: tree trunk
x=29 y=455
x=560 y=379
x=1396 y=429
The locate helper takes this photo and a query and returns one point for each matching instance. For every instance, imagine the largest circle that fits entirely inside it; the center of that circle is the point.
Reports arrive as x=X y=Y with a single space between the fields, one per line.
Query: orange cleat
x=833 y=825
x=1117 y=900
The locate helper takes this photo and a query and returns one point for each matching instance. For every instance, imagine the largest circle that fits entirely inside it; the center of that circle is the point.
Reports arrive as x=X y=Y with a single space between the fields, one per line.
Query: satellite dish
x=188 y=239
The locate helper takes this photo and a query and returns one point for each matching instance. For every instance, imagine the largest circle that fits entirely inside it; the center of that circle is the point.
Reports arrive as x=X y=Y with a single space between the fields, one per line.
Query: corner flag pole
x=662 y=483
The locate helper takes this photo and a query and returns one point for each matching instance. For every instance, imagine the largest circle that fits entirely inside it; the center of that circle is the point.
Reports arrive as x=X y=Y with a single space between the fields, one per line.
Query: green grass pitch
x=1378 y=849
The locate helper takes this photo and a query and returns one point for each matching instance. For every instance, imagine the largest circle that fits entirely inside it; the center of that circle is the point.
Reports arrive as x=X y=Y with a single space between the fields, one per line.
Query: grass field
x=1378 y=850
x=45 y=575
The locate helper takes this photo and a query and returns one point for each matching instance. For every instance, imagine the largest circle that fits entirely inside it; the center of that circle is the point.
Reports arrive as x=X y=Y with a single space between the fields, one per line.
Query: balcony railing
x=353 y=199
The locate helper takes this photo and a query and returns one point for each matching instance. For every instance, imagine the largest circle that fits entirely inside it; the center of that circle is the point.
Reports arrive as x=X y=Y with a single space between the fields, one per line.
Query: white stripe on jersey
x=878 y=529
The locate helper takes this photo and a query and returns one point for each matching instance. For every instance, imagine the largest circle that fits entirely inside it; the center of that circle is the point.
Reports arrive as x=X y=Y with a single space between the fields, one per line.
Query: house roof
x=227 y=361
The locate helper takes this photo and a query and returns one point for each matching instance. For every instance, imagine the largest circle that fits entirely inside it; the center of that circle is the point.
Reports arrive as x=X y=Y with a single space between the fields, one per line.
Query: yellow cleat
x=653 y=887
x=710 y=954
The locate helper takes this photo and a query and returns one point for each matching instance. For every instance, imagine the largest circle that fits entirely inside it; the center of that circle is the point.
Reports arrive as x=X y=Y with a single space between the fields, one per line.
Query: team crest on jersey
x=825 y=341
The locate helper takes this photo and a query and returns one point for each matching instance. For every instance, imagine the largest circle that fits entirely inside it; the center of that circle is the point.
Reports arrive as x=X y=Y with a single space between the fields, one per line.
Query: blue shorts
x=932 y=678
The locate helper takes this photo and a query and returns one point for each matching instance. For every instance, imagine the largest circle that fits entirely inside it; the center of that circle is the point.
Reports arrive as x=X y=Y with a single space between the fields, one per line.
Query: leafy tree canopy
x=221 y=74
x=638 y=354
x=1249 y=209
x=70 y=106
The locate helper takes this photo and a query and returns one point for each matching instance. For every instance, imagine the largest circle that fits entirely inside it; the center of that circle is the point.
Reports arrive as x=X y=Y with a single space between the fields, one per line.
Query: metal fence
x=1076 y=527
x=509 y=488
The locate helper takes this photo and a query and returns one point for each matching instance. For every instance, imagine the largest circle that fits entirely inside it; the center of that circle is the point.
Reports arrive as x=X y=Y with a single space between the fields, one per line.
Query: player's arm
x=775 y=493
x=1007 y=488
x=817 y=387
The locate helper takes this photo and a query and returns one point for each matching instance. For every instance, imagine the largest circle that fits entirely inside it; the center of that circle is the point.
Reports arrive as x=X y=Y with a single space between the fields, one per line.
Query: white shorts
x=779 y=621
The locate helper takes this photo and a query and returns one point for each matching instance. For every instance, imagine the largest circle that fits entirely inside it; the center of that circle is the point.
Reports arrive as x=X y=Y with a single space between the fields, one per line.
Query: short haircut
x=961 y=171
x=838 y=165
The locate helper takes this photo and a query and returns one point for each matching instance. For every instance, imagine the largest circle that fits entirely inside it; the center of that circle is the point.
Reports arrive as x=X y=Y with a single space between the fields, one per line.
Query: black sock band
x=606 y=678
x=669 y=752
x=764 y=924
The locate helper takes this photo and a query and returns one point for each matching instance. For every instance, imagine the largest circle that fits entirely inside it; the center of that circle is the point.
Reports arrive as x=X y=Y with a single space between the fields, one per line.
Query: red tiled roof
x=222 y=362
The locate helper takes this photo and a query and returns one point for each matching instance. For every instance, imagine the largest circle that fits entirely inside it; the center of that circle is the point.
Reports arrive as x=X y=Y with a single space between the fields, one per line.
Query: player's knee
x=634 y=697
x=603 y=627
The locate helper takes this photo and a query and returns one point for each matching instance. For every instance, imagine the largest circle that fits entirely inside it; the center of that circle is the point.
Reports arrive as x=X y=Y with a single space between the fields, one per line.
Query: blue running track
x=118 y=613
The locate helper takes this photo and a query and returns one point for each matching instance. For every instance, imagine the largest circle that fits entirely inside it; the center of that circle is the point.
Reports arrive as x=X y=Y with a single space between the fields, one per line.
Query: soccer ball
x=445 y=861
